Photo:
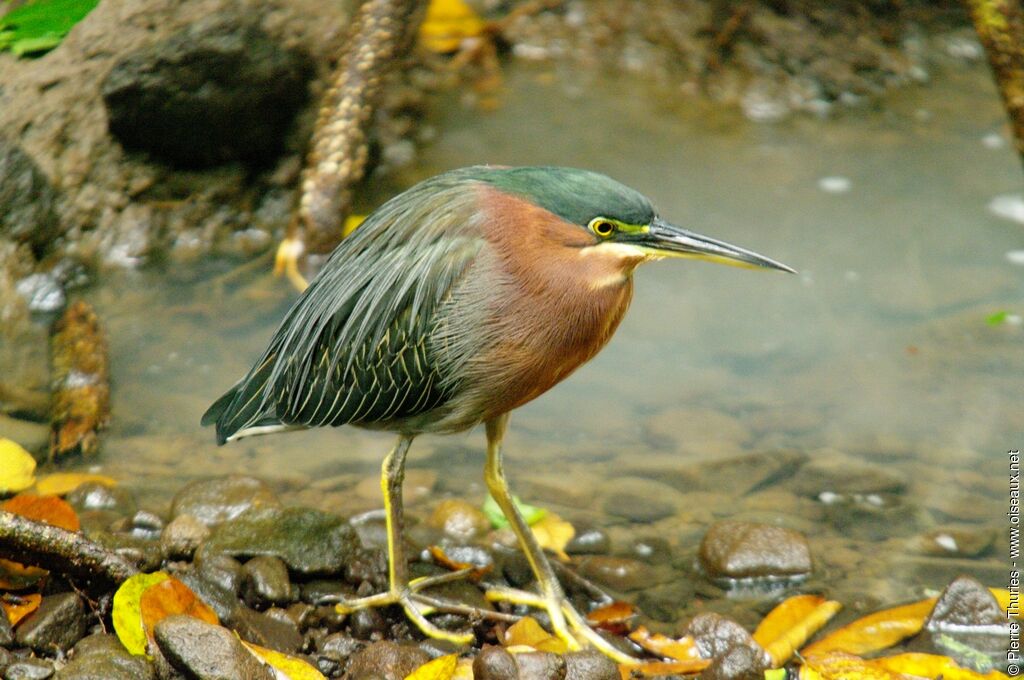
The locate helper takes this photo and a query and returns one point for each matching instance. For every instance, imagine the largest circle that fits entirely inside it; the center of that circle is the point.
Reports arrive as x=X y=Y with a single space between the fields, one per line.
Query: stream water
x=873 y=376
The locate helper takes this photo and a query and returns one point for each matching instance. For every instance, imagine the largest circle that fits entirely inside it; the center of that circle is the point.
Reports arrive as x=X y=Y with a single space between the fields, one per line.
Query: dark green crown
x=574 y=195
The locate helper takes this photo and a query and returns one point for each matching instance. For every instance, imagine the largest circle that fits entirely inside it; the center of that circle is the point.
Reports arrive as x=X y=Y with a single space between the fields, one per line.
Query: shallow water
x=877 y=353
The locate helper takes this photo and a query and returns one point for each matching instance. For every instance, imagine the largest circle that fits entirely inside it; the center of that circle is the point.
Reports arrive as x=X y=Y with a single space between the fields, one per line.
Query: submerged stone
x=212 y=501
x=744 y=550
x=103 y=657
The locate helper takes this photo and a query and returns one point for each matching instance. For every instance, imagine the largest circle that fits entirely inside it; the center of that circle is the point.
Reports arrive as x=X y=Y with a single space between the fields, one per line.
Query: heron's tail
x=242 y=410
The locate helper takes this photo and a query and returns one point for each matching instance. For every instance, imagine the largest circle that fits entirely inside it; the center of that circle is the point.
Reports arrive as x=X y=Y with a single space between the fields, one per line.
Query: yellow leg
x=286 y=262
x=552 y=599
x=400 y=590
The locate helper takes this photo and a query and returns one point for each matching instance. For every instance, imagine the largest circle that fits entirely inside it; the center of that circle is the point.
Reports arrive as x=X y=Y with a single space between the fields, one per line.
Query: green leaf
x=998 y=318
x=40 y=25
x=775 y=674
x=496 y=517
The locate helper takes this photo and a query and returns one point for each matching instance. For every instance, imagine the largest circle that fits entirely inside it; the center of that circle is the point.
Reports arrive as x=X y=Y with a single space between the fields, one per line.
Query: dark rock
x=143 y=553
x=652 y=549
x=57 y=625
x=145 y=524
x=664 y=602
x=748 y=550
x=95 y=496
x=589 y=542
x=437 y=648
x=637 y=508
x=836 y=473
x=224 y=602
x=224 y=570
x=206 y=652
x=5 y=658
x=494 y=663
x=385 y=660
x=266 y=581
x=365 y=623
x=620 y=573
x=182 y=536
x=218 y=91
x=715 y=635
x=6 y=632
x=540 y=666
x=28 y=202
x=29 y=669
x=965 y=603
x=319 y=590
x=590 y=665
x=339 y=646
x=103 y=657
x=213 y=501
x=309 y=541
x=962 y=541
x=266 y=631
x=740 y=662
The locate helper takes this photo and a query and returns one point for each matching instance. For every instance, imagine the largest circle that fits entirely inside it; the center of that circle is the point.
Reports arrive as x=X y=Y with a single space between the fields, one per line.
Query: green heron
x=454 y=303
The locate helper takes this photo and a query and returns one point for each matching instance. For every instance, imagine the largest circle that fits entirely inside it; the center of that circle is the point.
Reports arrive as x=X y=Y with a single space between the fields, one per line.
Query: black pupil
x=604 y=228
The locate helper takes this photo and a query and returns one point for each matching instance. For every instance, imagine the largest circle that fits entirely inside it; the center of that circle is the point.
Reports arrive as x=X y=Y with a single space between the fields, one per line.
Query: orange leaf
x=653 y=669
x=842 y=666
x=527 y=632
x=441 y=558
x=874 y=632
x=25 y=605
x=792 y=623
x=49 y=509
x=15 y=576
x=616 y=617
x=170 y=597
x=683 y=649
x=931 y=666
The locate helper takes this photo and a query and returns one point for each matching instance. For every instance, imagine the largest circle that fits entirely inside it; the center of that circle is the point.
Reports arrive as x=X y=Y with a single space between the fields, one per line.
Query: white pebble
x=1015 y=257
x=835 y=184
x=993 y=140
x=1008 y=206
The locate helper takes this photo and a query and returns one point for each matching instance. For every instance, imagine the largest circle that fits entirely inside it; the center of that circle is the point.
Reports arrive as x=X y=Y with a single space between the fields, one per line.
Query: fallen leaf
x=17 y=467
x=874 y=632
x=61 y=483
x=52 y=510
x=290 y=667
x=554 y=533
x=616 y=617
x=464 y=670
x=447 y=23
x=351 y=223
x=1006 y=600
x=653 y=669
x=170 y=597
x=441 y=558
x=842 y=666
x=526 y=632
x=18 y=608
x=792 y=623
x=932 y=666
x=492 y=511
x=126 y=614
x=441 y=668
x=682 y=649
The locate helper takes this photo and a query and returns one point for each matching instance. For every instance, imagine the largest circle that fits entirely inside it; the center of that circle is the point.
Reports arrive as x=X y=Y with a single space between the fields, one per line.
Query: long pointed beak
x=666 y=240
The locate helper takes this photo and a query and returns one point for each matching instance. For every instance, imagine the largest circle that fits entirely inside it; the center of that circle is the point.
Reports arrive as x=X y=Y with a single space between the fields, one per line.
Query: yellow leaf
x=441 y=668
x=463 y=670
x=842 y=666
x=792 y=623
x=554 y=533
x=874 y=632
x=447 y=23
x=1005 y=600
x=526 y=632
x=293 y=668
x=60 y=483
x=351 y=222
x=127 y=615
x=932 y=666
x=657 y=669
x=17 y=467
x=683 y=650
x=24 y=606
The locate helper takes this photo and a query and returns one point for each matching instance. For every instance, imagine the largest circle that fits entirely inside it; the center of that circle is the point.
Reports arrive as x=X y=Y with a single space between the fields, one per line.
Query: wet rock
x=366 y=623
x=103 y=657
x=665 y=602
x=266 y=581
x=338 y=647
x=182 y=536
x=619 y=573
x=266 y=631
x=963 y=541
x=494 y=663
x=95 y=496
x=6 y=632
x=965 y=603
x=836 y=473
x=637 y=508
x=540 y=666
x=213 y=501
x=652 y=549
x=459 y=520
x=740 y=662
x=223 y=601
x=28 y=202
x=590 y=665
x=143 y=553
x=206 y=652
x=29 y=669
x=716 y=635
x=223 y=570
x=740 y=550
x=218 y=91
x=385 y=660
x=589 y=542
x=57 y=625
x=308 y=541
x=42 y=292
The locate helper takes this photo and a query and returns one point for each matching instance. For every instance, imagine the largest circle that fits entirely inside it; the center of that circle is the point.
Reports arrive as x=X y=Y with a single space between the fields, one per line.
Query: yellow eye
x=602 y=227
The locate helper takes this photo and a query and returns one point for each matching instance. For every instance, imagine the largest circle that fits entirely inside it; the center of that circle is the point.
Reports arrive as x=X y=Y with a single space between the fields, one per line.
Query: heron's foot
x=568 y=624
x=286 y=262
x=418 y=605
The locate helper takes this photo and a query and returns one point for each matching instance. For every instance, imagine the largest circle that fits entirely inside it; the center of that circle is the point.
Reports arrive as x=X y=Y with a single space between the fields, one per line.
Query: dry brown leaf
x=653 y=669
x=932 y=666
x=22 y=607
x=792 y=623
x=874 y=632
x=49 y=509
x=170 y=597
x=842 y=666
x=682 y=649
x=526 y=632
x=616 y=617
